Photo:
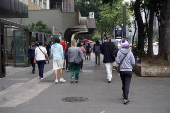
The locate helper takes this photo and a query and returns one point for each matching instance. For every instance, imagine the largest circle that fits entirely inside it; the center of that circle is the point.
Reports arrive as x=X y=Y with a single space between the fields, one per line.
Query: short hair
x=57 y=40
x=108 y=36
x=40 y=43
x=79 y=44
x=73 y=43
x=63 y=39
x=97 y=42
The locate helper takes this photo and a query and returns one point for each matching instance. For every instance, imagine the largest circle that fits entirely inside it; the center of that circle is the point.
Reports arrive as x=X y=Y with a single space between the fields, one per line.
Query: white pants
x=109 y=67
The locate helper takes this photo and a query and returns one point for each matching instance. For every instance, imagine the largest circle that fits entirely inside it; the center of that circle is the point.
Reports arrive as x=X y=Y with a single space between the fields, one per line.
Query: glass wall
x=20 y=52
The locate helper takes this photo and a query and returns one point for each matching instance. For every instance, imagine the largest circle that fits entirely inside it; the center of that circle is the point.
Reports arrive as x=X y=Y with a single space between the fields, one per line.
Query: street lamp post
x=124 y=21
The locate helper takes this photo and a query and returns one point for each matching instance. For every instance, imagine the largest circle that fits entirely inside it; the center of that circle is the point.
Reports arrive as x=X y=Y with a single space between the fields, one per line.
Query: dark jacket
x=106 y=50
x=97 y=48
x=31 y=51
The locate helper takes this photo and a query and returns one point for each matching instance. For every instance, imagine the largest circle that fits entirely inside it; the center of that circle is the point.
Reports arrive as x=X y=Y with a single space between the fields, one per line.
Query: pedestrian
x=48 y=48
x=58 y=59
x=66 y=57
x=97 y=50
x=84 y=52
x=89 y=50
x=75 y=55
x=107 y=48
x=40 y=54
x=31 y=55
x=84 y=45
x=125 y=56
x=64 y=45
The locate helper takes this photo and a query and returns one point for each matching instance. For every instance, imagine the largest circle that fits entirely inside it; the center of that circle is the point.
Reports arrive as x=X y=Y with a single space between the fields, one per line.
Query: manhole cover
x=75 y=99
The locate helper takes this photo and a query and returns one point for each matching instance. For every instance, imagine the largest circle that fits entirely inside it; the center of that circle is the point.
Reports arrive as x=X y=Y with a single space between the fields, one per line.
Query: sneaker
x=109 y=81
x=125 y=102
x=33 y=72
x=62 y=80
x=42 y=78
x=56 y=81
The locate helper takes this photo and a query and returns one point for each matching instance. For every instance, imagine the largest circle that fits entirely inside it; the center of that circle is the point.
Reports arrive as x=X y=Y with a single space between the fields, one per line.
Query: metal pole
x=124 y=21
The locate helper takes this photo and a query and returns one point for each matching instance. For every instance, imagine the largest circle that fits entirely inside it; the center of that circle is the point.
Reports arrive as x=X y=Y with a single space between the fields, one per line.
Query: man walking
x=107 y=50
x=58 y=59
x=31 y=54
x=97 y=50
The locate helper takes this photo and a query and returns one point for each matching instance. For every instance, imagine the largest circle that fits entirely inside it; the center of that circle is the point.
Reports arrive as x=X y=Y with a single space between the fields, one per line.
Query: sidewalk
x=31 y=95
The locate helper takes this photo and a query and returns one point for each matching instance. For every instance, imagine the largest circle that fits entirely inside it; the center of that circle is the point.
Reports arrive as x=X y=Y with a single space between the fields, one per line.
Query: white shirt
x=40 y=55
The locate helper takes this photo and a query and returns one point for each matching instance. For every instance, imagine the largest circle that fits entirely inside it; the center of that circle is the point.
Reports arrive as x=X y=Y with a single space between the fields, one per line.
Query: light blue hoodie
x=57 y=51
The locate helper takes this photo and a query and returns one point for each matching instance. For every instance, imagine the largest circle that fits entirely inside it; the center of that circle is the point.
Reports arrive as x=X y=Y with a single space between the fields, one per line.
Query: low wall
x=152 y=71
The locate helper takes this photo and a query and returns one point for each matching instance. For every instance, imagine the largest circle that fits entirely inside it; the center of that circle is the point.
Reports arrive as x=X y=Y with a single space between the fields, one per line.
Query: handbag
x=77 y=60
x=118 y=69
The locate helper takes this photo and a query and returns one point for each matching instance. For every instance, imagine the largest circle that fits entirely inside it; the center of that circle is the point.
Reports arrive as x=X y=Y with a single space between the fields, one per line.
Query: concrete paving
x=147 y=94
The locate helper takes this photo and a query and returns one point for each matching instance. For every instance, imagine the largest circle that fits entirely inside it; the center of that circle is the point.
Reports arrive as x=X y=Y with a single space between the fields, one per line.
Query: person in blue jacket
x=31 y=55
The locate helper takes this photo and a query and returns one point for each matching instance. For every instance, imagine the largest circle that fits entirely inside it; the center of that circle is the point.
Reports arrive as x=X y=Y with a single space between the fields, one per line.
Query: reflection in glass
x=20 y=48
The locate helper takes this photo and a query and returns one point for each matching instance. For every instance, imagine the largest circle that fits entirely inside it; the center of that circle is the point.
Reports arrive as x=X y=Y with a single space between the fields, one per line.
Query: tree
x=39 y=27
x=111 y=16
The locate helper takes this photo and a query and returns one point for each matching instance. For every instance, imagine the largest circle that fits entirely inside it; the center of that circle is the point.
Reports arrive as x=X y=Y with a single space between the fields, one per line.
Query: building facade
x=38 y=4
x=62 y=5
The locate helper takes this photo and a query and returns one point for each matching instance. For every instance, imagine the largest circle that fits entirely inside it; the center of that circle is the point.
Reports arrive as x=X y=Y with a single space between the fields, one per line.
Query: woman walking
x=75 y=55
x=84 y=53
x=89 y=50
x=126 y=61
x=66 y=57
x=40 y=53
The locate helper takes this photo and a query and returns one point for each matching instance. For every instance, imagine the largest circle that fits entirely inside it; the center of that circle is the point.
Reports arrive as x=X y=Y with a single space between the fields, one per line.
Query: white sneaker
x=62 y=80
x=56 y=81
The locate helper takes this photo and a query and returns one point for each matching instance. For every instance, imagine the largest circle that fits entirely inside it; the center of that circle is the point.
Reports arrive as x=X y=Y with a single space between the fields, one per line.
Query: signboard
x=118 y=32
x=91 y=14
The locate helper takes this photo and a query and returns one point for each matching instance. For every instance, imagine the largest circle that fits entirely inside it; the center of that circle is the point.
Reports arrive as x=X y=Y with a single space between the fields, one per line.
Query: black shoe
x=72 y=79
x=109 y=81
x=76 y=81
x=33 y=72
x=126 y=102
x=48 y=62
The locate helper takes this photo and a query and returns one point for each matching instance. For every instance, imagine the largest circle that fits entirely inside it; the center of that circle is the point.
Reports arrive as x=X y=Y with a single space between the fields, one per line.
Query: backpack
x=114 y=51
x=97 y=48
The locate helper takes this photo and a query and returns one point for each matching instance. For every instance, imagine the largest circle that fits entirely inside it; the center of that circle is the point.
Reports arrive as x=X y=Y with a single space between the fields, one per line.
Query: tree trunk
x=111 y=29
x=162 y=28
x=167 y=31
x=139 y=20
x=133 y=37
x=150 y=34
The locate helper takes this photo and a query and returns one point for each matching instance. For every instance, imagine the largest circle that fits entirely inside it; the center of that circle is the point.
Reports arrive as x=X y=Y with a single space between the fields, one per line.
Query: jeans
x=109 y=68
x=97 y=54
x=74 y=69
x=32 y=63
x=67 y=63
x=41 y=67
x=126 y=79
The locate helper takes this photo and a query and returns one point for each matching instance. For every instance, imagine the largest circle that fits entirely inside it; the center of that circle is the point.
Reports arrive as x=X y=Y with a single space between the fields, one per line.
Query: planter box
x=152 y=71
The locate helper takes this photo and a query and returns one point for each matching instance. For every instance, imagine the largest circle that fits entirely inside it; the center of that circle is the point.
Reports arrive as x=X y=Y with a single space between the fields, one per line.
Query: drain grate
x=75 y=99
